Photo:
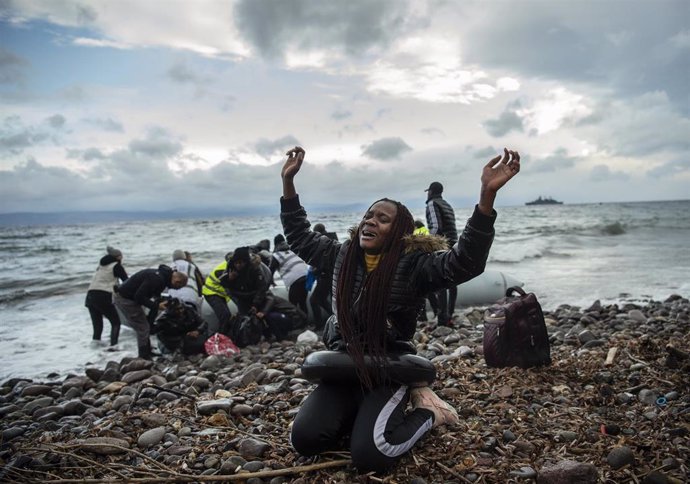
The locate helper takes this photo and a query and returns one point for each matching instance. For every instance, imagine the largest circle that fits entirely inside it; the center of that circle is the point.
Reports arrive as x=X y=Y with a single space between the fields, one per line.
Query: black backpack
x=515 y=332
x=248 y=330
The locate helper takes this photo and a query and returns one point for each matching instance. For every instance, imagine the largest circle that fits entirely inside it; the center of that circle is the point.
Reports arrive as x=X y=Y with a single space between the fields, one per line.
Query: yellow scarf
x=371 y=261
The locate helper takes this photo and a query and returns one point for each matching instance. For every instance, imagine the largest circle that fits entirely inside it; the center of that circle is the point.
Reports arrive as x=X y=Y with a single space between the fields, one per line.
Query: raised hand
x=291 y=167
x=497 y=172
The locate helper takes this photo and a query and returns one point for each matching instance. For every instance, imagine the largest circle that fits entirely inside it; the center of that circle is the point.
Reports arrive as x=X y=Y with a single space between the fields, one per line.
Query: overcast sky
x=158 y=105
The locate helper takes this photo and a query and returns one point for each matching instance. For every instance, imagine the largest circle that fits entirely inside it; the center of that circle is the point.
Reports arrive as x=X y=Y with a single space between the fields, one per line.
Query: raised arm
x=497 y=172
x=290 y=169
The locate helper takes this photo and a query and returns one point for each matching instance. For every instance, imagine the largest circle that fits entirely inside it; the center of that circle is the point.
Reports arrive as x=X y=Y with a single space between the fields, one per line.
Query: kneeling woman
x=381 y=278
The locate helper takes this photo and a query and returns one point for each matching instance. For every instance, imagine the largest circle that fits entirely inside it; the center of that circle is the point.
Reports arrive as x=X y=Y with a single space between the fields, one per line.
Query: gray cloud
x=106 y=124
x=488 y=153
x=508 y=121
x=671 y=169
x=157 y=144
x=11 y=67
x=556 y=162
x=433 y=131
x=56 y=121
x=179 y=72
x=386 y=148
x=600 y=43
x=15 y=137
x=86 y=15
x=353 y=27
x=75 y=94
x=340 y=114
x=86 y=155
x=602 y=173
x=268 y=148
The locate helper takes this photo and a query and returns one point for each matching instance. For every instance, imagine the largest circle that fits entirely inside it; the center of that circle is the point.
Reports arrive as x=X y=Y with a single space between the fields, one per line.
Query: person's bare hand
x=295 y=157
x=499 y=170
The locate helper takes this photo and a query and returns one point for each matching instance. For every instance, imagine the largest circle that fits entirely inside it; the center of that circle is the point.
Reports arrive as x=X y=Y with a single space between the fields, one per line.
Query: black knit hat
x=278 y=239
x=241 y=254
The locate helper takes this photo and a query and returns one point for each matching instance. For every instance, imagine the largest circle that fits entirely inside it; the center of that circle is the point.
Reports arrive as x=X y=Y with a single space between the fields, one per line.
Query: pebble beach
x=613 y=407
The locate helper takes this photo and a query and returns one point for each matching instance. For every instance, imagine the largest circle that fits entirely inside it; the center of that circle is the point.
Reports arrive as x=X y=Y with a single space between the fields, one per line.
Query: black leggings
x=379 y=429
x=99 y=304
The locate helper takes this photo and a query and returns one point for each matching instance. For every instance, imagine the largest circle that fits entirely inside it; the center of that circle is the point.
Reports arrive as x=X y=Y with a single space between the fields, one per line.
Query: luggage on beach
x=247 y=330
x=515 y=332
x=221 y=345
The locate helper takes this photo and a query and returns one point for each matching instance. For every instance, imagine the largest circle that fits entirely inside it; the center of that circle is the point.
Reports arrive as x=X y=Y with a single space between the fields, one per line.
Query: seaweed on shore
x=615 y=402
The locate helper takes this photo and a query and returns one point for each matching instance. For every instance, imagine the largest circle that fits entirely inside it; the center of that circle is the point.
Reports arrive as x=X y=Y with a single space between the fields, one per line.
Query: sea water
x=565 y=254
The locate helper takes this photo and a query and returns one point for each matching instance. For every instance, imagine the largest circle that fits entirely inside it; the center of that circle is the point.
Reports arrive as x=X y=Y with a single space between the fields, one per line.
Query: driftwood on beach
x=613 y=407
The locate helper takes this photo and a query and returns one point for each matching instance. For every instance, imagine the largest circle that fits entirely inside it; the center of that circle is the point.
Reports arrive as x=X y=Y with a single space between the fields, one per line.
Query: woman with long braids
x=381 y=277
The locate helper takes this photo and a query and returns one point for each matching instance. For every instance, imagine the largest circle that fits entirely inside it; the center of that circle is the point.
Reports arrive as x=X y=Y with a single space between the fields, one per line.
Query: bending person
x=381 y=277
x=293 y=271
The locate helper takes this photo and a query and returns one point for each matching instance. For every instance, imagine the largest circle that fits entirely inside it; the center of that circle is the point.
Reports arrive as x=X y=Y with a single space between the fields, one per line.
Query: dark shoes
x=145 y=352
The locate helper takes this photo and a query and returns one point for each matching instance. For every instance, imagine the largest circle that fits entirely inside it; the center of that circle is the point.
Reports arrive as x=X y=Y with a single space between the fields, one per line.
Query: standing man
x=440 y=220
x=144 y=289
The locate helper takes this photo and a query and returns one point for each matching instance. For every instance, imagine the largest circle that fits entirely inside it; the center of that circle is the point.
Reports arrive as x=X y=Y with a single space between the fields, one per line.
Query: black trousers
x=379 y=429
x=99 y=304
x=320 y=301
x=222 y=311
x=446 y=304
x=298 y=293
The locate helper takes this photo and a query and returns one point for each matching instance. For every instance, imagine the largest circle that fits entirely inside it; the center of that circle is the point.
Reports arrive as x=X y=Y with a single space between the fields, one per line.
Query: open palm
x=500 y=169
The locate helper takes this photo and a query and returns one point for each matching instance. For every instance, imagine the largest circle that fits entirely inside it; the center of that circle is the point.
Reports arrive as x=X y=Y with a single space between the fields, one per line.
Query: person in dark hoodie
x=144 y=289
x=247 y=281
x=99 y=297
x=381 y=276
x=440 y=218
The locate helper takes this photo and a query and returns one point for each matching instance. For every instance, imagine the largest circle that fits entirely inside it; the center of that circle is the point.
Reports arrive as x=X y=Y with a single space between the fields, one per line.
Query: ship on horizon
x=544 y=201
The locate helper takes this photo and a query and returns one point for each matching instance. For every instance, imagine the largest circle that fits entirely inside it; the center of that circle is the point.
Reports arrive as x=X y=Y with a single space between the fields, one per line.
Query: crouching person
x=179 y=327
x=141 y=290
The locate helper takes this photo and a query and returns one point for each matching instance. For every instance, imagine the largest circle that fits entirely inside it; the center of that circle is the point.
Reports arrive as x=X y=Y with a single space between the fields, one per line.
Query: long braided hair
x=364 y=328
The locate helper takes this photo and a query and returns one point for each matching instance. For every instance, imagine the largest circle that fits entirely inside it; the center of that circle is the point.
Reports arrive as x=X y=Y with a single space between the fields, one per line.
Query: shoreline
x=206 y=417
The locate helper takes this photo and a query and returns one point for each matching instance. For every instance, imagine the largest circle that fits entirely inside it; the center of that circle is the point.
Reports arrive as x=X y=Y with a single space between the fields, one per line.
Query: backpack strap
x=517 y=289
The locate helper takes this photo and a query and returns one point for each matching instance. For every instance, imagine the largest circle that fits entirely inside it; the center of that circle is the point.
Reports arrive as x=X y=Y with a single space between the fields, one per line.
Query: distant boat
x=544 y=201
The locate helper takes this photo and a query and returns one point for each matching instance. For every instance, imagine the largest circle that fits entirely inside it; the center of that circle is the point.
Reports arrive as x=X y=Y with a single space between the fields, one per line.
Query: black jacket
x=422 y=269
x=440 y=218
x=251 y=287
x=177 y=320
x=146 y=286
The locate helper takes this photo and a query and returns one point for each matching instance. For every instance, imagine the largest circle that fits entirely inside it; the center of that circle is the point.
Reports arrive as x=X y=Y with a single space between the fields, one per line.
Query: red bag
x=221 y=345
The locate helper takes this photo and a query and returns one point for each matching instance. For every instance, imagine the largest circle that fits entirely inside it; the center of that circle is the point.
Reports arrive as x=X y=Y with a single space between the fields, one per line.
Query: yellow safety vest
x=212 y=286
x=421 y=231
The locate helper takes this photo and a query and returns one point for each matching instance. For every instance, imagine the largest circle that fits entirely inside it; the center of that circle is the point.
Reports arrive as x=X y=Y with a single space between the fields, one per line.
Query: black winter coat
x=440 y=218
x=422 y=269
x=251 y=287
x=146 y=286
